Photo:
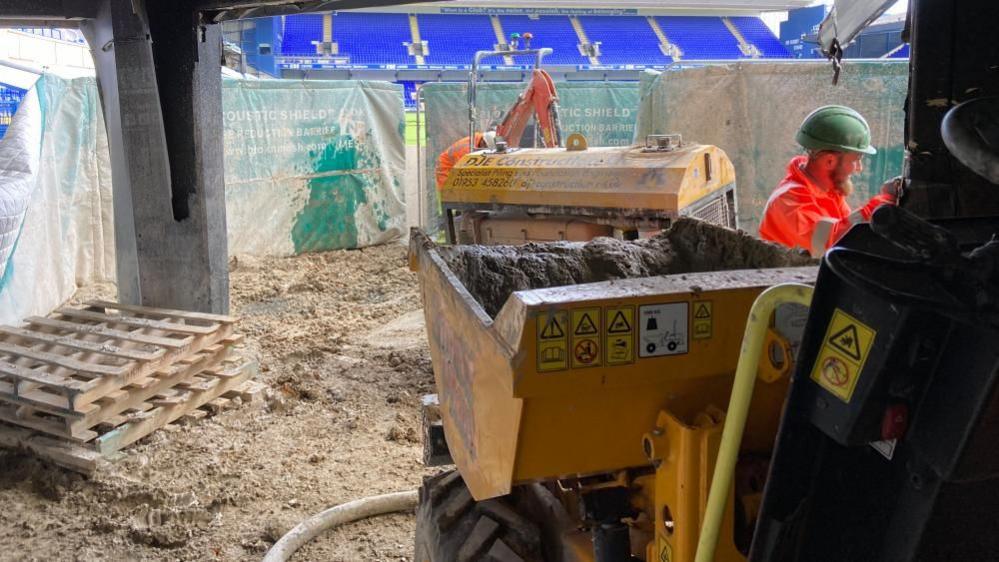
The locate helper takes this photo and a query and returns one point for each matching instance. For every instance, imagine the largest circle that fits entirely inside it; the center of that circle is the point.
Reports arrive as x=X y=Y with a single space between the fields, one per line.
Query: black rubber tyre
x=452 y=527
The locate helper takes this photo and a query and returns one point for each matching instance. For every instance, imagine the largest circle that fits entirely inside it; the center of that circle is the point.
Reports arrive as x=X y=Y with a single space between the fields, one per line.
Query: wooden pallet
x=207 y=393
x=81 y=367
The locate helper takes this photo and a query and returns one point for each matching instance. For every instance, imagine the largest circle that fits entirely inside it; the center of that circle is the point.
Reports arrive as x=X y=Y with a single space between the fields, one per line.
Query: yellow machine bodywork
x=627 y=189
x=558 y=386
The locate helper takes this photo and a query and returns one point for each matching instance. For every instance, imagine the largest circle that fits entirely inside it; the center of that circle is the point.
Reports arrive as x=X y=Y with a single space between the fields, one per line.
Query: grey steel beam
x=48 y=9
x=226 y=10
x=169 y=227
x=33 y=22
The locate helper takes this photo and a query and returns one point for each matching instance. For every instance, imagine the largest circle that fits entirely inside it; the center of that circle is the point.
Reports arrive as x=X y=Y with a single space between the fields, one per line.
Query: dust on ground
x=491 y=273
x=342 y=349
x=340 y=341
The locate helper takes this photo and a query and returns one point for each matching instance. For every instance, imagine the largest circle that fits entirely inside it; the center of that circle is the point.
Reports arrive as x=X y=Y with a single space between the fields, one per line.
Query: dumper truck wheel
x=452 y=527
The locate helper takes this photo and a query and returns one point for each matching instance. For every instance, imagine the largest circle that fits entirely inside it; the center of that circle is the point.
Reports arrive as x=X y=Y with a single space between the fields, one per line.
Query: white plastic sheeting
x=310 y=166
x=55 y=170
x=19 y=152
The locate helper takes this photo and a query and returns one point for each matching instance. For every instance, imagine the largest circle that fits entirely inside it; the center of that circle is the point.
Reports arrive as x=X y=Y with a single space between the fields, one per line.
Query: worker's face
x=841 y=166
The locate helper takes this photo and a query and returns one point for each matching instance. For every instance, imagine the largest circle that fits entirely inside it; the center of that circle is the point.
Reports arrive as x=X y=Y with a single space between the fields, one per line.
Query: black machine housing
x=907 y=468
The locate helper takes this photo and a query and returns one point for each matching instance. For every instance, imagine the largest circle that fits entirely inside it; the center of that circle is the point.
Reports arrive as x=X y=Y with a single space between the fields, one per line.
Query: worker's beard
x=845 y=186
x=842 y=178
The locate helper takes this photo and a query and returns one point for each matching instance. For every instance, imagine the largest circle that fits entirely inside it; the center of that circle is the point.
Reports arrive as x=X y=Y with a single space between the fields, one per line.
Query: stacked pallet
x=78 y=386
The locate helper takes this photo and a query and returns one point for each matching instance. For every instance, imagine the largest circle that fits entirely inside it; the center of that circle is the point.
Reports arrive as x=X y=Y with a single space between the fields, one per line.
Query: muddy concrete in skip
x=492 y=273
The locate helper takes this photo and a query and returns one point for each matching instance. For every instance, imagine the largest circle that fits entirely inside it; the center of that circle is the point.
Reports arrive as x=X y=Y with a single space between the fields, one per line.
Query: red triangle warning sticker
x=552 y=331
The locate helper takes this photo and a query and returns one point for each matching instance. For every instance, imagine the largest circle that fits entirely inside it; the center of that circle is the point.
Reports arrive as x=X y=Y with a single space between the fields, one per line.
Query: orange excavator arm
x=539 y=99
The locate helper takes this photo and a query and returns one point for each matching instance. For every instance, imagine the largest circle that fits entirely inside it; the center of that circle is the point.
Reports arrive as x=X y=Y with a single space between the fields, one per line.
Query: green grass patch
x=411 y=129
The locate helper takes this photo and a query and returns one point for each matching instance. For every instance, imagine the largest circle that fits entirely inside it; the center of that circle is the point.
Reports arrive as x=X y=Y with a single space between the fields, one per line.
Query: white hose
x=344 y=513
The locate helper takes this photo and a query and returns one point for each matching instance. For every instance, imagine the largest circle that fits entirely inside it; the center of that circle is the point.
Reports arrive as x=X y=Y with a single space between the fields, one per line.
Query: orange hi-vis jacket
x=800 y=214
x=450 y=157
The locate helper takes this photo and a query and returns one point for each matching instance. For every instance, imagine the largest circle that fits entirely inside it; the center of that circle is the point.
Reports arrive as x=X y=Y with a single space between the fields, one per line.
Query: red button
x=895 y=422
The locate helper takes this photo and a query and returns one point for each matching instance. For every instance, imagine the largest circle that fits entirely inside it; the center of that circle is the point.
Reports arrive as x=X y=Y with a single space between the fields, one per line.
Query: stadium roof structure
x=644 y=6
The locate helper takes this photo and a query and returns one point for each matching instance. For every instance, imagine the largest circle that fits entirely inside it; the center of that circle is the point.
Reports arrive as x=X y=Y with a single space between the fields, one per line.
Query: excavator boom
x=539 y=99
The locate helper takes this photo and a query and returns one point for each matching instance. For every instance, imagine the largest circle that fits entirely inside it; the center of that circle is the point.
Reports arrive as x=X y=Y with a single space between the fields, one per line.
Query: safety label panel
x=553 y=341
x=619 y=339
x=702 y=322
x=662 y=329
x=585 y=338
x=844 y=351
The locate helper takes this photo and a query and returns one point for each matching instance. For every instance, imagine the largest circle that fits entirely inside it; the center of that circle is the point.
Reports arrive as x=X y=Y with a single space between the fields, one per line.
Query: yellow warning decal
x=585 y=338
x=664 y=548
x=844 y=351
x=553 y=341
x=702 y=320
x=619 y=335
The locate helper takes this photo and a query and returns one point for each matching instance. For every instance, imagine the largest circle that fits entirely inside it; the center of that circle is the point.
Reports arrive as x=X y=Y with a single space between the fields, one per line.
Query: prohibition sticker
x=585 y=338
x=844 y=351
x=585 y=353
x=835 y=371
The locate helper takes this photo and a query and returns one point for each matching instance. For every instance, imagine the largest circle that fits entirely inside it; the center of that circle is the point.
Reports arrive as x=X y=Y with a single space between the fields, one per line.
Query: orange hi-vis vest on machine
x=800 y=214
x=450 y=157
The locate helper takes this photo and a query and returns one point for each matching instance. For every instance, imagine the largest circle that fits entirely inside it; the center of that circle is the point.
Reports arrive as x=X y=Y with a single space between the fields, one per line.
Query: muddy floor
x=342 y=350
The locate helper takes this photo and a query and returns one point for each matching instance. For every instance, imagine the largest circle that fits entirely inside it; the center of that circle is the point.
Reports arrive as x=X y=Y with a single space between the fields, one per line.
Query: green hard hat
x=835 y=127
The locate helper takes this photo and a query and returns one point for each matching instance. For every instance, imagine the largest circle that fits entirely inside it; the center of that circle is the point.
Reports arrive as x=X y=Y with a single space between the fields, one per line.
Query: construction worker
x=808 y=209
x=447 y=159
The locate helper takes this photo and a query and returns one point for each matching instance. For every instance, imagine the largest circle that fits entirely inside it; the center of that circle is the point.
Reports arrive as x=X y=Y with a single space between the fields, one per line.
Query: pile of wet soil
x=491 y=273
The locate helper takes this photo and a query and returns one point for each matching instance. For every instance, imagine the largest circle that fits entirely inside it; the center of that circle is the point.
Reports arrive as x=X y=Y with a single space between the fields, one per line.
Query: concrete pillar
x=167 y=172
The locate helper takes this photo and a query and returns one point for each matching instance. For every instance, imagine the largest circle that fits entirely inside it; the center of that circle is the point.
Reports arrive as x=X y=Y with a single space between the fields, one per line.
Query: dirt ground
x=340 y=341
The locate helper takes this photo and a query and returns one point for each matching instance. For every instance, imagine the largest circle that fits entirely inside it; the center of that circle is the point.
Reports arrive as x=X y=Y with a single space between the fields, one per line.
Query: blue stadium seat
x=409 y=92
x=10 y=99
x=624 y=40
x=370 y=38
x=299 y=33
x=454 y=39
x=756 y=32
x=902 y=53
x=700 y=37
x=549 y=31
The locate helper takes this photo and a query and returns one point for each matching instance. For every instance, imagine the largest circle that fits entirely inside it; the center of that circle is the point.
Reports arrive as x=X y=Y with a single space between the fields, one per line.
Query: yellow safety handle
x=738 y=408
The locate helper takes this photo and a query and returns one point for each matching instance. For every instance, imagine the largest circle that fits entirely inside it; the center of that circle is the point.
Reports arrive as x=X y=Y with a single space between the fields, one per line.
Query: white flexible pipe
x=344 y=513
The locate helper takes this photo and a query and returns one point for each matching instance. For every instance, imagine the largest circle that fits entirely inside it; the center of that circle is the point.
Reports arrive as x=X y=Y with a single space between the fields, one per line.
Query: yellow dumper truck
x=584 y=413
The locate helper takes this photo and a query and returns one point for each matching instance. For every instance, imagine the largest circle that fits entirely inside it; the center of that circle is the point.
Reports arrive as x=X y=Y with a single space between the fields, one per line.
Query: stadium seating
x=549 y=31
x=10 y=98
x=755 y=32
x=409 y=92
x=624 y=40
x=299 y=33
x=453 y=40
x=902 y=53
x=700 y=37
x=369 y=38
